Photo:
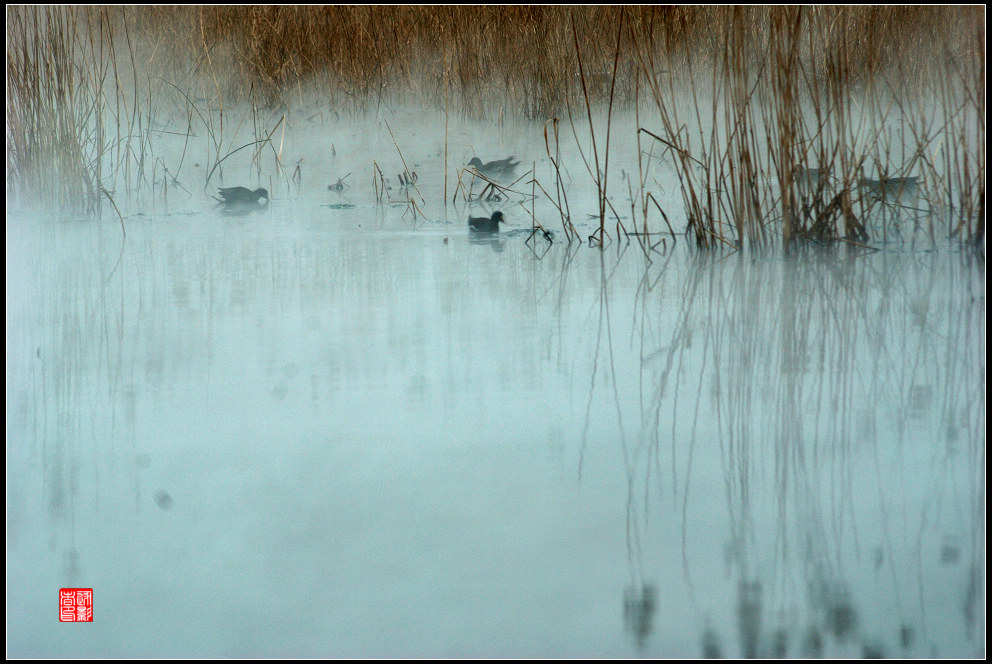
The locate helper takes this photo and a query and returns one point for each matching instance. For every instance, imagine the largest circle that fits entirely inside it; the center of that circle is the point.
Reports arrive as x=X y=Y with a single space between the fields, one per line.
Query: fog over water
x=342 y=424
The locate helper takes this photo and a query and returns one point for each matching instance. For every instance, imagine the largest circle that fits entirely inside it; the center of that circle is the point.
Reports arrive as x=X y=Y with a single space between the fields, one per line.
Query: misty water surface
x=334 y=427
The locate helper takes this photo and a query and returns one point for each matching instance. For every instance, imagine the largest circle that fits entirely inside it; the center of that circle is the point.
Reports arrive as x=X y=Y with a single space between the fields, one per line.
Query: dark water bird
x=495 y=170
x=242 y=196
x=483 y=225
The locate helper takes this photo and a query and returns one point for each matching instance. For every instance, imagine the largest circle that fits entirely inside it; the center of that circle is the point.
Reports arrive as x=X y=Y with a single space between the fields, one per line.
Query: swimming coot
x=243 y=196
x=484 y=225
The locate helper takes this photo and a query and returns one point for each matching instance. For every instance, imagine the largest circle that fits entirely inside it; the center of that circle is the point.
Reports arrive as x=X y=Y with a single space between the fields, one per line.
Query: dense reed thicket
x=795 y=131
x=510 y=59
x=743 y=96
x=53 y=111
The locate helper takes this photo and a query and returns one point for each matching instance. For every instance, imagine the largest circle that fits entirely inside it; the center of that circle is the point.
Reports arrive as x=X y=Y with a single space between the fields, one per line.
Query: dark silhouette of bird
x=495 y=170
x=484 y=225
x=242 y=196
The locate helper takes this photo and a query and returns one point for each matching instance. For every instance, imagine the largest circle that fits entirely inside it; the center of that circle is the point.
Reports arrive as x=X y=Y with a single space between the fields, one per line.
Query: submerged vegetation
x=787 y=122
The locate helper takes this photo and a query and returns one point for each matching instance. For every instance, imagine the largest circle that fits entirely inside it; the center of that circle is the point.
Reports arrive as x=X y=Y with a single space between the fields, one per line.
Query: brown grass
x=518 y=60
x=50 y=111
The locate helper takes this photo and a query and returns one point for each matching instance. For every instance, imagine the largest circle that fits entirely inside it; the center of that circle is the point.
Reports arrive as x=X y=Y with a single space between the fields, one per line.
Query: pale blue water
x=336 y=431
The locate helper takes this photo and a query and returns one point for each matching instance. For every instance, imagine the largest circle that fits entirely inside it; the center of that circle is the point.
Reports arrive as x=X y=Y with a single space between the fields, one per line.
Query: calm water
x=313 y=431
x=339 y=428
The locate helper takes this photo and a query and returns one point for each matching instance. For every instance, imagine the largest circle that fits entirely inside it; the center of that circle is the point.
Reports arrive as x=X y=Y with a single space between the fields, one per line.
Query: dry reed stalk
x=444 y=197
x=409 y=175
x=560 y=201
x=379 y=183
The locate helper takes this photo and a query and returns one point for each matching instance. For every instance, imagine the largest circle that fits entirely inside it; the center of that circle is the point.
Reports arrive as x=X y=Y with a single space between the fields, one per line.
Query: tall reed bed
x=514 y=60
x=78 y=123
x=760 y=109
x=517 y=60
x=782 y=134
x=54 y=111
